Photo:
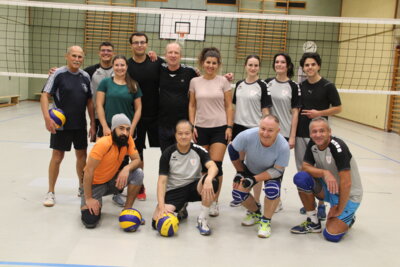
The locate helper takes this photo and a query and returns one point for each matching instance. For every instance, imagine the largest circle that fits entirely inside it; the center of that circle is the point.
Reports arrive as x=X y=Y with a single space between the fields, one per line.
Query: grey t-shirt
x=259 y=158
x=285 y=96
x=182 y=169
x=250 y=99
x=335 y=158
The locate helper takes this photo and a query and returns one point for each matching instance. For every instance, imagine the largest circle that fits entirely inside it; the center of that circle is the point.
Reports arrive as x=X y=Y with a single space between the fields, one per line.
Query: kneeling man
x=266 y=156
x=329 y=173
x=180 y=179
x=102 y=175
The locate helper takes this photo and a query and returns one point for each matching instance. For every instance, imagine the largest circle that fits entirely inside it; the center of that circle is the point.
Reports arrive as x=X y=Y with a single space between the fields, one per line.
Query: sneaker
x=251 y=218
x=142 y=194
x=118 y=200
x=214 y=209
x=321 y=212
x=49 y=199
x=352 y=221
x=203 y=227
x=279 y=207
x=143 y=221
x=264 y=229
x=307 y=227
x=182 y=213
x=235 y=204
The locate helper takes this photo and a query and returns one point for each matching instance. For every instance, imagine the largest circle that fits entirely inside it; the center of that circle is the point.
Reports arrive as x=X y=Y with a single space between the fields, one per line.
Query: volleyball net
x=358 y=55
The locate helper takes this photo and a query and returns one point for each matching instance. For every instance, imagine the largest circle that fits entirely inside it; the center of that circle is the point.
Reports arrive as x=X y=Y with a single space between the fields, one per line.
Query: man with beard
x=101 y=175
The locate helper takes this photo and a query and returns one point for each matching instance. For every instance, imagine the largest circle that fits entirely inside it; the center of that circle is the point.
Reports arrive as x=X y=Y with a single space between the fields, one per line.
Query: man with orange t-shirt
x=102 y=175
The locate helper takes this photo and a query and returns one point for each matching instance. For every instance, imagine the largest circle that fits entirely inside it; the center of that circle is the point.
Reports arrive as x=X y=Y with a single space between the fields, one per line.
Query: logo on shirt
x=193 y=162
x=174 y=158
x=84 y=87
x=285 y=93
x=328 y=159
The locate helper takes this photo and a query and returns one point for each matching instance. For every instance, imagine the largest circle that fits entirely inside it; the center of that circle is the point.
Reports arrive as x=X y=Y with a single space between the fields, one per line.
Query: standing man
x=319 y=98
x=98 y=72
x=329 y=172
x=70 y=88
x=147 y=74
x=174 y=94
x=180 y=179
x=102 y=175
x=266 y=154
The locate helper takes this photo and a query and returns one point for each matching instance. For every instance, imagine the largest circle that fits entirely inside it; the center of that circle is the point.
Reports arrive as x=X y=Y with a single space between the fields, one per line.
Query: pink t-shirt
x=210 y=105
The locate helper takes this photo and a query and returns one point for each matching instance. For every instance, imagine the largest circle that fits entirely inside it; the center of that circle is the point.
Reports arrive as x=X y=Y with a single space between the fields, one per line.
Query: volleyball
x=167 y=225
x=130 y=220
x=58 y=116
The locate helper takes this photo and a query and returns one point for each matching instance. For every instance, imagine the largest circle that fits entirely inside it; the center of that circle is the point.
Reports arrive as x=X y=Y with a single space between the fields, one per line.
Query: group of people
x=194 y=119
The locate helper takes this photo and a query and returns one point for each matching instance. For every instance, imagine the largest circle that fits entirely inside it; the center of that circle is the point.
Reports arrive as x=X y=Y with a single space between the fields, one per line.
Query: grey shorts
x=99 y=190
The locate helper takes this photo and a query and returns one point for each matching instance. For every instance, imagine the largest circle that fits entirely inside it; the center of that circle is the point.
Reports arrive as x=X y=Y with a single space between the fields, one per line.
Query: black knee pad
x=219 y=165
x=215 y=182
x=89 y=220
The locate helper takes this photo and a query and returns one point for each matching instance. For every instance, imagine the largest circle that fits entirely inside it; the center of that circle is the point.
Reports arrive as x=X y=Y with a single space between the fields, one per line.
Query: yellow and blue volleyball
x=130 y=220
x=58 y=116
x=167 y=225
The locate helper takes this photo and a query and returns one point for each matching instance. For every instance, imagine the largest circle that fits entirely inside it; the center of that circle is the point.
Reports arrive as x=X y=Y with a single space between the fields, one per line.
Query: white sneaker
x=203 y=227
x=279 y=207
x=251 y=219
x=264 y=229
x=49 y=200
x=214 y=209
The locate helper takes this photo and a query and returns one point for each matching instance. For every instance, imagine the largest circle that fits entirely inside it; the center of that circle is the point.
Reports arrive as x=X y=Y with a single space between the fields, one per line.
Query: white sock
x=313 y=216
x=204 y=212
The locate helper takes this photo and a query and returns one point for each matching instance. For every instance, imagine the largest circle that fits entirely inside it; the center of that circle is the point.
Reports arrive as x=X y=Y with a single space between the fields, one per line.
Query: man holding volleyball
x=180 y=178
x=102 y=176
x=70 y=88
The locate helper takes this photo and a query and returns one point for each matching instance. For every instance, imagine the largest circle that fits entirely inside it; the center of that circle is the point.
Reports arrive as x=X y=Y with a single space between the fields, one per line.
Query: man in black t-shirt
x=180 y=178
x=147 y=74
x=174 y=97
x=70 y=88
x=319 y=98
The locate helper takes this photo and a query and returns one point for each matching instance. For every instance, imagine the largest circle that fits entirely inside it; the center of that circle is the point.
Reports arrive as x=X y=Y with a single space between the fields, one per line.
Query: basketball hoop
x=182 y=37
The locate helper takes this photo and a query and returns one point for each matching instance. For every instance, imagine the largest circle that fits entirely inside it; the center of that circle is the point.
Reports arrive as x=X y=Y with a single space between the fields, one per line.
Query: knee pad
x=304 y=182
x=272 y=189
x=333 y=238
x=215 y=182
x=219 y=165
x=136 y=177
x=239 y=196
x=89 y=220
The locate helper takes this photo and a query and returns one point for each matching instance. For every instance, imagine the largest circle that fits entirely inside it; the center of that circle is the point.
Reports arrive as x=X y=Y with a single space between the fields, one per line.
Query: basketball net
x=181 y=38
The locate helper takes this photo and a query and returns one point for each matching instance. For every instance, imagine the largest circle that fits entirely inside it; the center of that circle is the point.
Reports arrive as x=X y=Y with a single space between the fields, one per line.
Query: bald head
x=173 y=55
x=74 y=57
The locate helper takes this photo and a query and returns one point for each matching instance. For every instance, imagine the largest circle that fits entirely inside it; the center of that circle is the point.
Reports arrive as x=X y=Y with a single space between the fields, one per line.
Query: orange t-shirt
x=110 y=158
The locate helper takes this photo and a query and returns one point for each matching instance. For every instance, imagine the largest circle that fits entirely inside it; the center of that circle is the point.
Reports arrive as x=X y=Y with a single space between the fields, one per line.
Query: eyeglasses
x=106 y=50
x=139 y=43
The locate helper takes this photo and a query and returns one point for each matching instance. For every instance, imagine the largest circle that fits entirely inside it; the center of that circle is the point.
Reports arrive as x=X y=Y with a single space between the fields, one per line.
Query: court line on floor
x=16 y=263
x=369 y=150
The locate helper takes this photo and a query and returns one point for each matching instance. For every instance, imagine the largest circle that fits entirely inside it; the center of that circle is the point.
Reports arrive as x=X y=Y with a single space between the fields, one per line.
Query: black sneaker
x=307 y=227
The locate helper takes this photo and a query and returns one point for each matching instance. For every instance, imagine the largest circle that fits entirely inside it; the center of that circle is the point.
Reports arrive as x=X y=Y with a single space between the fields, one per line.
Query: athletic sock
x=204 y=212
x=313 y=216
x=265 y=219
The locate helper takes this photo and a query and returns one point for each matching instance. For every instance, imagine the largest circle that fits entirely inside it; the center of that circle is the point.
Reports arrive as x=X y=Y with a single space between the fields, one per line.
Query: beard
x=120 y=141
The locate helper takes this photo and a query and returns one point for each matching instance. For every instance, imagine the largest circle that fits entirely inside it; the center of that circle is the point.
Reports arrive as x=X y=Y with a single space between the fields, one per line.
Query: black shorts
x=166 y=137
x=237 y=129
x=179 y=196
x=62 y=140
x=209 y=136
x=149 y=126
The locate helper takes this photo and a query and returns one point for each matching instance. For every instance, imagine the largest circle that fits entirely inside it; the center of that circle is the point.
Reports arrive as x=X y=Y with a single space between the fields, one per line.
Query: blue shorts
x=349 y=211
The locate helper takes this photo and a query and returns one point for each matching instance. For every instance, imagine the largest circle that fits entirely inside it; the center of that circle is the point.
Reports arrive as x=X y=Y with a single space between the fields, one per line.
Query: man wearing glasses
x=147 y=74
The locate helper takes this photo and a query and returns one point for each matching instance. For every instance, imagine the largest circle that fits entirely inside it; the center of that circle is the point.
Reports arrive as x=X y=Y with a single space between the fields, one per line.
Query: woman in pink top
x=210 y=111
